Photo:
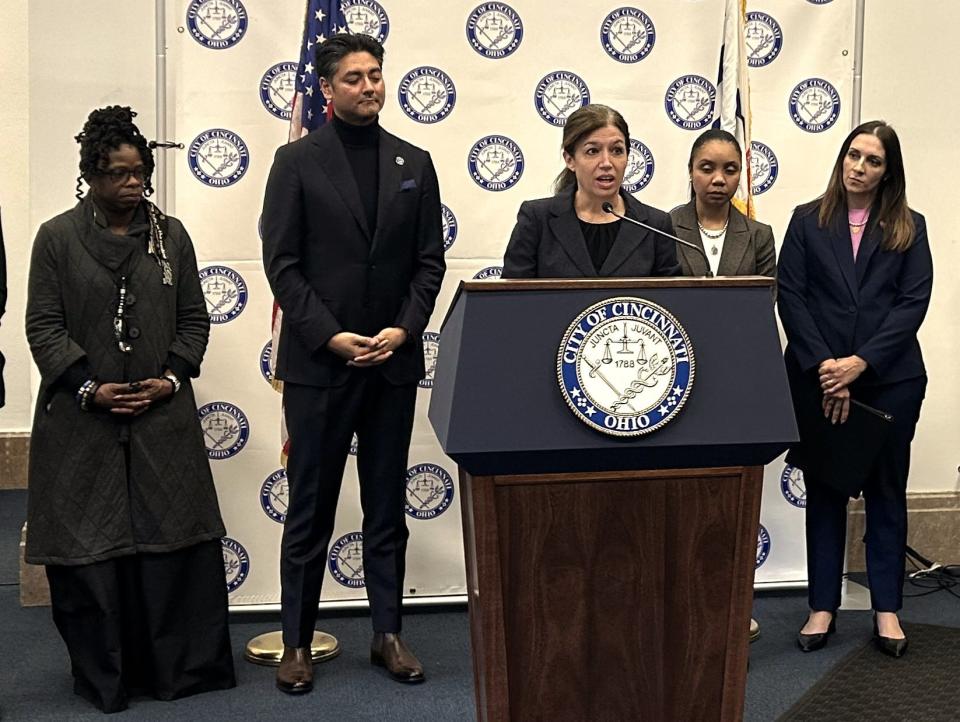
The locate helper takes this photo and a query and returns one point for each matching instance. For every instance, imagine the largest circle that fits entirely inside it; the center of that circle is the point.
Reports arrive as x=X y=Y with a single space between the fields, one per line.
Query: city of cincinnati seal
x=625 y=366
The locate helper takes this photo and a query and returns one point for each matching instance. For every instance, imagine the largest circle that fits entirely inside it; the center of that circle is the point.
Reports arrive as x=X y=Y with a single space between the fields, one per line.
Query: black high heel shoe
x=813 y=642
x=888 y=645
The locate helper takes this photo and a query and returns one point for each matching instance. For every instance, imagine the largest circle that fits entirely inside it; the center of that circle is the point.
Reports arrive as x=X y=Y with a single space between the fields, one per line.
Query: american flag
x=310 y=111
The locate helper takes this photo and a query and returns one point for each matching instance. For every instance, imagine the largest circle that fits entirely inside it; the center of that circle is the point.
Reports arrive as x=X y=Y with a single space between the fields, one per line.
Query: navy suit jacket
x=833 y=307
x=329 y=273
x=547 y=243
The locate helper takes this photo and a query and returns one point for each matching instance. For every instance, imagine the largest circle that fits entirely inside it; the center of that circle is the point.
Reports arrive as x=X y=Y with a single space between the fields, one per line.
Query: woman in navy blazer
x=854 y=278
x=569 y=235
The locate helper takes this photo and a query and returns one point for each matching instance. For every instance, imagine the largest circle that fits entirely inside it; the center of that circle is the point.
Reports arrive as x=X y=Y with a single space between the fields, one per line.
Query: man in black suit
x=353 y=250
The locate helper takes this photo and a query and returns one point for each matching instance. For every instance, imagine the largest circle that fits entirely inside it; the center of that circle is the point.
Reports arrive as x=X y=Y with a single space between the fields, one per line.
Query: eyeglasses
x=122 y=175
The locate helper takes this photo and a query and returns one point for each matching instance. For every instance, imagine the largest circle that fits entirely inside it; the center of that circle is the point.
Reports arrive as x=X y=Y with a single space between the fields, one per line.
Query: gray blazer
x=547 y=243
x=748 y=249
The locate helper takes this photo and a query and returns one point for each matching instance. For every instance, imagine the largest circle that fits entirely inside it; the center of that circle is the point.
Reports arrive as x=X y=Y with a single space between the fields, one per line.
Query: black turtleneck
x=362 y=146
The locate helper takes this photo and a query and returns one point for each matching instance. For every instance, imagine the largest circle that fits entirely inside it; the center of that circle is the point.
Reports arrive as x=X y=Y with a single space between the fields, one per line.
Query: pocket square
x=408 y=184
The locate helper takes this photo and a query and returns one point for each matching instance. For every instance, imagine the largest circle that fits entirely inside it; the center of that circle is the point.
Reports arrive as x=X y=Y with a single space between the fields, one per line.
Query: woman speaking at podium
x=854 y=279
x=587 y=228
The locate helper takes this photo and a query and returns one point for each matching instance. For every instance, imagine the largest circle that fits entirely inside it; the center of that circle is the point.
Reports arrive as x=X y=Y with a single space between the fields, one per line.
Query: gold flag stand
x=266 y=649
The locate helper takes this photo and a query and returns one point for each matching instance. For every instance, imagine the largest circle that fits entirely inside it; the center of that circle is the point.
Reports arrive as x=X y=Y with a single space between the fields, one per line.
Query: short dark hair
x=332 y=51
x=105 y=131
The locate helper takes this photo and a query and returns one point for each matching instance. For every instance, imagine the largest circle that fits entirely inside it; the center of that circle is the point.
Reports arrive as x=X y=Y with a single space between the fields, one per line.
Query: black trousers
x=885 y=501
x=321 y=423
x=152 y=624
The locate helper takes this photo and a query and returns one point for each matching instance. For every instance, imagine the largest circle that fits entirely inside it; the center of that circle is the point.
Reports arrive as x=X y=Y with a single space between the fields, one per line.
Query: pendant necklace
x=714 y=235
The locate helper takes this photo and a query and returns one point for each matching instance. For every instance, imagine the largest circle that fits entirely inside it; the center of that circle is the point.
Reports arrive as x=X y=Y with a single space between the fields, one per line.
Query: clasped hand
x=365 y=351
x=836 y=375
x=134 y=398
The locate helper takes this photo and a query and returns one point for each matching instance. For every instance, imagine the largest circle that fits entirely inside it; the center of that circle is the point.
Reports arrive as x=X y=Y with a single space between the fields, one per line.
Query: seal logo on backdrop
x=345 y=560
x=559 y=94
x=218 y=157
x=431 y=350
x=488 y=273
x=627 y=35
x=449 y=226
x=427 y=94
x=819 y=2
x=236 y=563
x=793 y=487
x=429 y=491
x=224 y=291
x=763 y=38
x=640 y=166
x=625 y=366
x=226 y=429
x=366 y=17
x=495 y=163
x=265 y=353
x=494 y=30
x=278 y=88
x=217 y=24
x=275 y=495
x=814 y=105
x=689 y=102
x=763 y=546
x=764 y=167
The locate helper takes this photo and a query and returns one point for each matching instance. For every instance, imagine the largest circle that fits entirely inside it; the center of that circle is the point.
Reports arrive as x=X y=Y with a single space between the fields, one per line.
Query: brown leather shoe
x=388 y=650
x=295 y=673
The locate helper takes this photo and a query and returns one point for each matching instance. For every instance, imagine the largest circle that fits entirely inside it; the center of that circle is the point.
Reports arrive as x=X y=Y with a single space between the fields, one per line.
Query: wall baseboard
x=14 y=450
x=933 y=528
x=34 y=589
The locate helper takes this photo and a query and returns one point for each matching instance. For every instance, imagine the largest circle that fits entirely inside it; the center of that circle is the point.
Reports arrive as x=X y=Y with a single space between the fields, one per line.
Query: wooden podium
x=609 y=578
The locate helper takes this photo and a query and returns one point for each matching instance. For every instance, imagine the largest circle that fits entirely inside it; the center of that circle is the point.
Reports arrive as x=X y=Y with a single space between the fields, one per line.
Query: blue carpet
x=36 y=684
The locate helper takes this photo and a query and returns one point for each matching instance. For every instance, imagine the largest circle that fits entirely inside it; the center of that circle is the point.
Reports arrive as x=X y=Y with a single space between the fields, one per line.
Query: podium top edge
x=559 y=284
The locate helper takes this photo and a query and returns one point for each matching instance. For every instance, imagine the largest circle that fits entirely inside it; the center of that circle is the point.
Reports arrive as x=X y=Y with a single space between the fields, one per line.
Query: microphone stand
x=608 y=208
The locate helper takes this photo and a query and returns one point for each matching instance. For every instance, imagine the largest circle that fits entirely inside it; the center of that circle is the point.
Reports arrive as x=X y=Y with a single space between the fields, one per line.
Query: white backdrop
x=493 y=97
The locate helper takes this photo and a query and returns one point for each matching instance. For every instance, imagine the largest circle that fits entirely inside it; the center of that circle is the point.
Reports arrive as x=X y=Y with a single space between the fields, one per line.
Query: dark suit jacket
x=748 y=249
x=832 y=307
x=330 y=274
x=547 y=243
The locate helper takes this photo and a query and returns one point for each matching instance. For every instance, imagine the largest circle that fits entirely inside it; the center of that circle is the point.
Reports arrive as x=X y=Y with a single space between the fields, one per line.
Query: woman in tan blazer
x=735 y=244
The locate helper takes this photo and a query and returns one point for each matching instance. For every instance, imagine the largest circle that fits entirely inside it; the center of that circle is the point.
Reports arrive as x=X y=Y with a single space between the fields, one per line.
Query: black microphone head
x=607 y=207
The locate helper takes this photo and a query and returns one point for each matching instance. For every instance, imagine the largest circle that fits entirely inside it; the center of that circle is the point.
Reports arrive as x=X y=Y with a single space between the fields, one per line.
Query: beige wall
x=57 y=62
x=909 y=80
x=15 y=201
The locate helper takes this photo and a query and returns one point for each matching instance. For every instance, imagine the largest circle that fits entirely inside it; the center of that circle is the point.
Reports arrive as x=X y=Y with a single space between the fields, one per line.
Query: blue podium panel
x=497 y=406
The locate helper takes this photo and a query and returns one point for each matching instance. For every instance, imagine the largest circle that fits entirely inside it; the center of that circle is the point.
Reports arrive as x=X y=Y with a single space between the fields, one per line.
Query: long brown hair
x=890 y=204
x=580 y=124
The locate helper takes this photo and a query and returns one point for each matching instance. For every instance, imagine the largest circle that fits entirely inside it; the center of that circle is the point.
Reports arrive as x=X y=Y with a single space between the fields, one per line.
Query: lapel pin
x=399 y=160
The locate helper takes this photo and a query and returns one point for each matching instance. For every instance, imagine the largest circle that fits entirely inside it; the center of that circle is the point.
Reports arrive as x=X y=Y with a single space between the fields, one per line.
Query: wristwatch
x=171 y=377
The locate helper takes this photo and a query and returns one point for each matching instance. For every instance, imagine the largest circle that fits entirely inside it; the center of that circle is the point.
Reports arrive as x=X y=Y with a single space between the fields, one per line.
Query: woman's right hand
x=120 y=399
x=836 y=406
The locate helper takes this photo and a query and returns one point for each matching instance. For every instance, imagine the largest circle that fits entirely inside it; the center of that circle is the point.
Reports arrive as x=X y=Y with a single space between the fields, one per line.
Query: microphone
x=608 y=208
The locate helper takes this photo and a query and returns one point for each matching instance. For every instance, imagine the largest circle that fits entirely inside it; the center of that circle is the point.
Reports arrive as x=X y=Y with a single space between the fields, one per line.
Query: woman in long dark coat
x=855 y=278
x=121 y=505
